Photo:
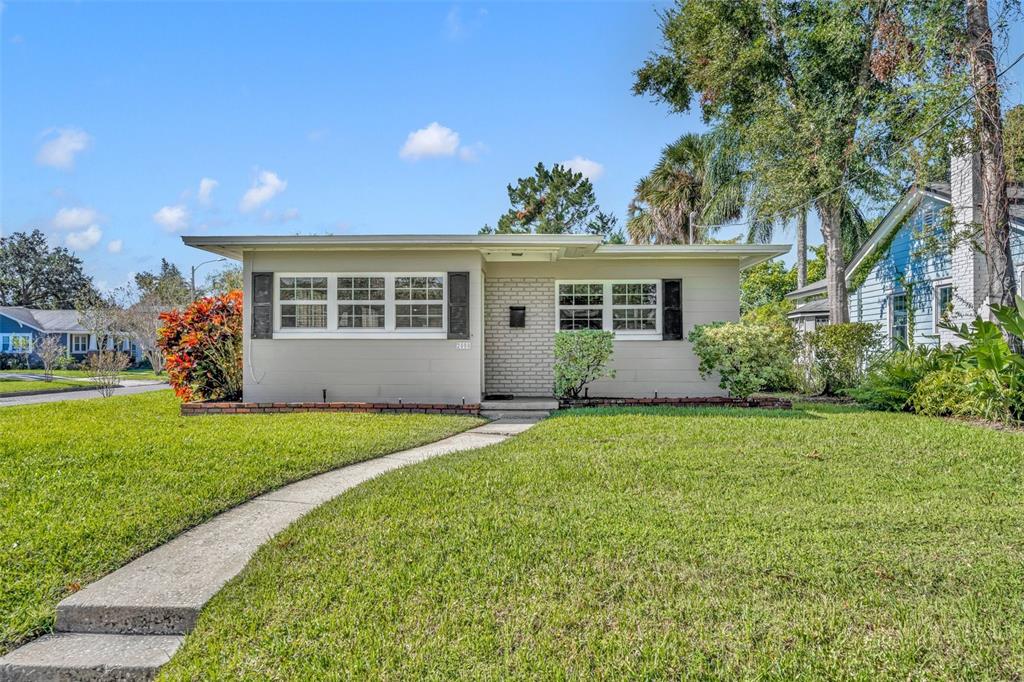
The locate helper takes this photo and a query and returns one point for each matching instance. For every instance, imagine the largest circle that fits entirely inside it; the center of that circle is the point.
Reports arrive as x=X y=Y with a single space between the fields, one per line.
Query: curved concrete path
x=13 y=398
x=129 y=623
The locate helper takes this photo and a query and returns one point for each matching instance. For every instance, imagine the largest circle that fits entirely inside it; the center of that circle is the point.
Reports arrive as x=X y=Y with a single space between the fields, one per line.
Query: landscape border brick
x=765 y=403
x=201 y=408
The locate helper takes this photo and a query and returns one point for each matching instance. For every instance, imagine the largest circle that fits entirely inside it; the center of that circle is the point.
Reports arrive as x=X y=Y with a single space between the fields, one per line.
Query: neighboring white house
x=449 y=318
x=909 y=275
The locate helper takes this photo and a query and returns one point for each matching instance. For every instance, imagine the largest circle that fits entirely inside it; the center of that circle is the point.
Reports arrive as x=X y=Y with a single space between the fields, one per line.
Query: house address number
x=463 y=345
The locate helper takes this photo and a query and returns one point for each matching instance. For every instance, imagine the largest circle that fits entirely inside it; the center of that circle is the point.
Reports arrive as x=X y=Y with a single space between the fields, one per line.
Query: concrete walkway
x=129 y=623
x=137 y=387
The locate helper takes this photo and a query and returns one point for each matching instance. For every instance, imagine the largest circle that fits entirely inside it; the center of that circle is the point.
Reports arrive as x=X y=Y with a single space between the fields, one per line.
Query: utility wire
x=806 y=204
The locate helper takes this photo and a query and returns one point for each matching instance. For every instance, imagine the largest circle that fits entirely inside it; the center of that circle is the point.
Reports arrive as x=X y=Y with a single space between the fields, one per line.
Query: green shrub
x=747 y=357
x=842 y=353
x=893 y=377
x=581 y=357
x=948 y=392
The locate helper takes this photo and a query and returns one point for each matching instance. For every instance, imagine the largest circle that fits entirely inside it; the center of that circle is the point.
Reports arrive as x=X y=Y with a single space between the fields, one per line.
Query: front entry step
x=75 y=656
x=523 y=408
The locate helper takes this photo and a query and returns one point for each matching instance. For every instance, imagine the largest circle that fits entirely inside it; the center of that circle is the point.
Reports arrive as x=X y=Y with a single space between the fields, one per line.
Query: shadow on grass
x=798 y=412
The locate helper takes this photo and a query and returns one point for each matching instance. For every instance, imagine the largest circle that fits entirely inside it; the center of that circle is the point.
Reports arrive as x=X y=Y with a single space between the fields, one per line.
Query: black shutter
x=458 y=305
x=672 y=309
x=262 y=305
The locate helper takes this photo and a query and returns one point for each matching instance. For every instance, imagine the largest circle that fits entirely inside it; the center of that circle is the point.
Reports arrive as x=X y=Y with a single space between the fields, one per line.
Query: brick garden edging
x=767 y=403
x=191 y=409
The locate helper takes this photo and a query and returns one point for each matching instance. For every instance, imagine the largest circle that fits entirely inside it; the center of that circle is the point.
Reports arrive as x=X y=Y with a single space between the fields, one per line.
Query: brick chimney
x=967 y=263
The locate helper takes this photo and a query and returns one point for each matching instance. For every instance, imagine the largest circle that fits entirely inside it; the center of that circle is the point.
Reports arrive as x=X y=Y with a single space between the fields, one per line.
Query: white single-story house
x=22 y=328
x=910 y=275
x=451 y=319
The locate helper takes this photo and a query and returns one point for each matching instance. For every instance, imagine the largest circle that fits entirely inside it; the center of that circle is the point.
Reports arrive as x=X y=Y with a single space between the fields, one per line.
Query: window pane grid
x=581 y=294
x=899 y=318
x=360 y=316
x=360 y=288
x=304 y=316
x=419 y=316
x=580 y=318
x=419 y=288
x=634 y=319
x=303 y=288
x=635 y=294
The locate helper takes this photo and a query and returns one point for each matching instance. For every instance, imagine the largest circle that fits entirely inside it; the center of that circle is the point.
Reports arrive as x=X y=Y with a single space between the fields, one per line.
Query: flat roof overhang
x=502 y=247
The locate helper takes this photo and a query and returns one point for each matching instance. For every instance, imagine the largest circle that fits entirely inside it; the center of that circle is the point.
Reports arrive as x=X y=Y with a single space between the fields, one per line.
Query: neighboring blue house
x=22 y=328
x=906 y=277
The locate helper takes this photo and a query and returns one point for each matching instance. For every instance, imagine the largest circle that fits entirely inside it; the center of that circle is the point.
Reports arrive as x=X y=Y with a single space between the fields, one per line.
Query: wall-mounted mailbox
x=517 y=316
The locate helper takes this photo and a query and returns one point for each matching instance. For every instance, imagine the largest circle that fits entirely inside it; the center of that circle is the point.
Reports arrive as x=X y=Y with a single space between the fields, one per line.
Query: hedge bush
x=581 y=357
x=202 y=347
x=842 y=353
x=747 y=357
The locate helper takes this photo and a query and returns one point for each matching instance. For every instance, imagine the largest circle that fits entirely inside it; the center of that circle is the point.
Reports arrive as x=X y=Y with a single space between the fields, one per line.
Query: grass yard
x=87 y=485
x=820 y=543
x=140 y=374
x=9 y=386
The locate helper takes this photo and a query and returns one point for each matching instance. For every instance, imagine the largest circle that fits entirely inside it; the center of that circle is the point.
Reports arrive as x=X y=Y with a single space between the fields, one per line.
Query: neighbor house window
x=15 y=343
x=303 y=302
x=79 y=343
x=898 y=320
x=630 y=309
x=419 y=302
x=361 y=302
x=943 y=299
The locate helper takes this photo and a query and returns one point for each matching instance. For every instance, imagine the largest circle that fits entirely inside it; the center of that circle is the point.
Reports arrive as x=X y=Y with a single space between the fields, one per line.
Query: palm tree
x=697 y=184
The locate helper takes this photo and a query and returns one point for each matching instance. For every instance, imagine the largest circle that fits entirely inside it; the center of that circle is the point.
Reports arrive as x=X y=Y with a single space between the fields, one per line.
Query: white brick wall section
x=519 y=361
x=967 y=264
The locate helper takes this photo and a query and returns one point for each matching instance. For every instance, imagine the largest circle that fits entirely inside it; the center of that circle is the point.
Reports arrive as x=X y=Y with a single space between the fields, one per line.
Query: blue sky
x=341 y=118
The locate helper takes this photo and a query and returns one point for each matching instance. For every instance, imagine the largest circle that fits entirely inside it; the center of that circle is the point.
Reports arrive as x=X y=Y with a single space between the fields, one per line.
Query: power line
x=806 y=204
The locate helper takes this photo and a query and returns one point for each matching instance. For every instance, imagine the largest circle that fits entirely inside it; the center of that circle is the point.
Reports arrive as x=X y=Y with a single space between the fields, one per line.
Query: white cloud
x=591 y=169
x=86 y=239
x=457 y=28
x=61 y=146
x=206 y=187
x=172 y=218
x=266 y=187
x=115 y=246
x=75 y=218
x=434 y=140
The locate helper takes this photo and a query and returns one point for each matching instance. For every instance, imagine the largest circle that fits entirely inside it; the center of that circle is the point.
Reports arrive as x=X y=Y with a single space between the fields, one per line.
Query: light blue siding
x=918 y=255
x=913 y=258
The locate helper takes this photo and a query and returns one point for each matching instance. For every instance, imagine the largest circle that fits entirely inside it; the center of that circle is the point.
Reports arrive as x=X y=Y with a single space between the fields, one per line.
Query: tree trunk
x=989 y=121
x=831 y=230
x=801 y=249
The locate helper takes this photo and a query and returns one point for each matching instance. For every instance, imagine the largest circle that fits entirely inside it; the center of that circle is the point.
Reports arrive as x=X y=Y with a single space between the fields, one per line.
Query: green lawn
x=821 y=543
x=8 y=386
x=87 y=485
x=141 y=374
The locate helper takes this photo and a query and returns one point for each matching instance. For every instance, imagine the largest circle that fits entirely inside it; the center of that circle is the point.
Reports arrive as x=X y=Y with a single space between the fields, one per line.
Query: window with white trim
x=419 y=302
x=942 y=299
x=630 y=308
x=361 y=302
x=303 y=302
x=79 y=343
x=899 y=320
x=360 y=305
x=15 y=343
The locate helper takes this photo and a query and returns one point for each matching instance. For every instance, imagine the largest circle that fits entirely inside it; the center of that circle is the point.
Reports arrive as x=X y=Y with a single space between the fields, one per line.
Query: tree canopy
x=1013 y=143
x=167 y=285
x=555 y=201
x=34 y=275
x=817 y=92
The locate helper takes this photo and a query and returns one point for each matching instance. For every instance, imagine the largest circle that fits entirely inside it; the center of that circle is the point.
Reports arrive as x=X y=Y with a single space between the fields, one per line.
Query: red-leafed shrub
x=202 y=348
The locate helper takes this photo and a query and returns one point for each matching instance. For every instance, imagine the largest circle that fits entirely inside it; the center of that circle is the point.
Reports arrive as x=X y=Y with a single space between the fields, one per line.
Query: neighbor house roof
x=501 y=247
x=910 y=199
x=816 y=307
x=44 y=320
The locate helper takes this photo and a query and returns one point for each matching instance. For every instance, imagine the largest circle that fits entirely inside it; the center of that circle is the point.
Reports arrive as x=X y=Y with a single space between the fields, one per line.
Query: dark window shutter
x=672 y=309
x=262 y=305
x=458 y=305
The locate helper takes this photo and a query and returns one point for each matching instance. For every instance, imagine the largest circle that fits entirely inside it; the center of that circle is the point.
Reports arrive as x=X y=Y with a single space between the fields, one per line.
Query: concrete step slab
x=89 y=658
x=508 y=415
x=521 y=405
